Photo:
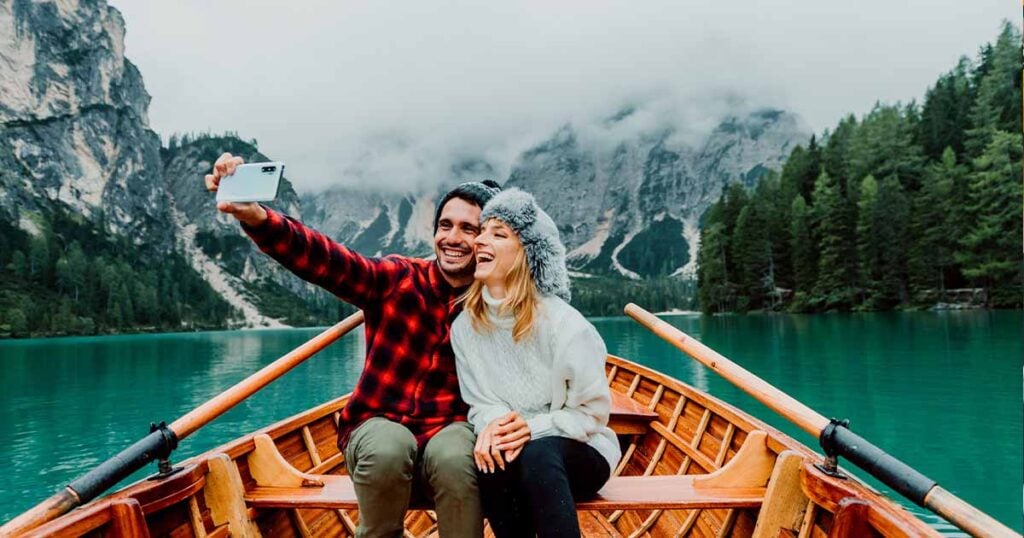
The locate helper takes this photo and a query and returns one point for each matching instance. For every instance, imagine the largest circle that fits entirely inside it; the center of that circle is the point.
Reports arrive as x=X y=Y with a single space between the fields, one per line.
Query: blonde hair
x=521 y=299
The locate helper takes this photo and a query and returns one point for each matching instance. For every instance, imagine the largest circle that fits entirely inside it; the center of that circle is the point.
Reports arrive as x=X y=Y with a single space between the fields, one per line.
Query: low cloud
x=397 y=94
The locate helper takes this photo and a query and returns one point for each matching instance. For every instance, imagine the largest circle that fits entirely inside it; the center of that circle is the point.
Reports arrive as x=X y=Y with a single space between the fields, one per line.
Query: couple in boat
x=483 y=391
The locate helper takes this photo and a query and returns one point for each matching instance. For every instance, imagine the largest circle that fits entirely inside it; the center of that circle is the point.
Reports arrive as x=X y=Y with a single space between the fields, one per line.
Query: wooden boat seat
x=739 y=484
x=625 y=492
x=628 y=416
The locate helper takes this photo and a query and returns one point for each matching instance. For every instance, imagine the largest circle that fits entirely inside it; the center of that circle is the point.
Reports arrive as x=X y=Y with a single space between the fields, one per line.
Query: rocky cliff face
x=74 y=125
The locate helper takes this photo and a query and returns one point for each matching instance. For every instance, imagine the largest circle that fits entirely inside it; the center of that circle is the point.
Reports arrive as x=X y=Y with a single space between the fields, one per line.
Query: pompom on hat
x=545 y=253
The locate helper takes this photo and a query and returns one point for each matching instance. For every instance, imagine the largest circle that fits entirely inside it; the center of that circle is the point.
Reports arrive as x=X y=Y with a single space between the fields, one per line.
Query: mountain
x=628 y=207
x=75 y=130
x=86 y=186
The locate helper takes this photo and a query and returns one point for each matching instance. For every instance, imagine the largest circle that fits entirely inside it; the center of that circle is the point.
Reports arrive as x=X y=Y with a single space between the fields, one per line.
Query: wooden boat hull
x=695 y=441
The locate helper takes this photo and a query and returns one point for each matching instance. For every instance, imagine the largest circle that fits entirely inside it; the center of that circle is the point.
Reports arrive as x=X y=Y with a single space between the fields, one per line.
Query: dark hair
x=475 y=192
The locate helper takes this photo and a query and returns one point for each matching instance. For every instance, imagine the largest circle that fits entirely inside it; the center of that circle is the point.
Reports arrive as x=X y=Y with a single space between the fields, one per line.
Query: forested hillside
x=892 y=210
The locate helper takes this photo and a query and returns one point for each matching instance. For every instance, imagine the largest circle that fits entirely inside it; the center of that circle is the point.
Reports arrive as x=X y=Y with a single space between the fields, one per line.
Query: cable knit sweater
x=554 y=377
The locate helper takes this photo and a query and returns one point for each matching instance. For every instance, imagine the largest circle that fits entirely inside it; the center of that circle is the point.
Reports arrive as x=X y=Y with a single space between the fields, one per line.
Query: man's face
x=453 y=242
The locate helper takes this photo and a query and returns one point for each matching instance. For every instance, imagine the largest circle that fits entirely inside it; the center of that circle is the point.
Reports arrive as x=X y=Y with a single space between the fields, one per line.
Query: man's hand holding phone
x=249 y=213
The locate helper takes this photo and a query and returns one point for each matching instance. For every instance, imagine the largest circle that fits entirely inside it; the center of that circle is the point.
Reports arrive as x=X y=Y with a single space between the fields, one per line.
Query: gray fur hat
x=545 y=252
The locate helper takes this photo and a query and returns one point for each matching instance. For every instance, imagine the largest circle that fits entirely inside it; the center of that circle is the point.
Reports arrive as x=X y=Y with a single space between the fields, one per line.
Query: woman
x=531 y=369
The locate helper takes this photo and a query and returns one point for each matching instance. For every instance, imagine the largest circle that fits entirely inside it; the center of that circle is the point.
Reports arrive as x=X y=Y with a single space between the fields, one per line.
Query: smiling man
x=404 y=428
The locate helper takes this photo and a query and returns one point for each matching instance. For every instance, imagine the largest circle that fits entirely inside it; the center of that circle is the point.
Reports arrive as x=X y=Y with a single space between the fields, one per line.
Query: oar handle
x=955 y=510
x=218 y=405
x=806 y=418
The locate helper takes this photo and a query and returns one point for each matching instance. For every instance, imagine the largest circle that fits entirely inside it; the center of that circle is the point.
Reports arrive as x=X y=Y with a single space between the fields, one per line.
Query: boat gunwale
x=883 y=512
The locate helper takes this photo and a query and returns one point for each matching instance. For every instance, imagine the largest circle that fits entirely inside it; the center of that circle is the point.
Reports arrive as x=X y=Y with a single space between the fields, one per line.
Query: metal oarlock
x=829 y=445
x=163 y=456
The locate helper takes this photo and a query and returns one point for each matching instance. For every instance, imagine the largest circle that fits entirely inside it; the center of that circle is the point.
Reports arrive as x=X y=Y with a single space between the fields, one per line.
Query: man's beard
x=465 y=271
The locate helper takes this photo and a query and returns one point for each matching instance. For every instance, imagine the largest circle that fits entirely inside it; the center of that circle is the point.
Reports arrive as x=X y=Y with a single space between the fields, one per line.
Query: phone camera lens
x=269 y=169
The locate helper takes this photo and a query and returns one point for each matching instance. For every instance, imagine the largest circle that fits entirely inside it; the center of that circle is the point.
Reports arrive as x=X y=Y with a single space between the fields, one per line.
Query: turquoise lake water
x=940 y=390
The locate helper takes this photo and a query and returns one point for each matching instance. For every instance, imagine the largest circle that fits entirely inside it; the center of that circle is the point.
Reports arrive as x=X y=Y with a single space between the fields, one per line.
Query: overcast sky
x=383 y=92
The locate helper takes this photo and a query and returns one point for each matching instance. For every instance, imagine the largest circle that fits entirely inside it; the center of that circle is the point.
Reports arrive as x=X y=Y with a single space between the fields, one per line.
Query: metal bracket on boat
x=831 y=448
x=163 y=454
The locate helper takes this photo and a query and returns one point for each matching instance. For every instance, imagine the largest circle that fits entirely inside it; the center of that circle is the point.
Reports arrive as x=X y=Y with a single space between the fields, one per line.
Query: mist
x=399 y=95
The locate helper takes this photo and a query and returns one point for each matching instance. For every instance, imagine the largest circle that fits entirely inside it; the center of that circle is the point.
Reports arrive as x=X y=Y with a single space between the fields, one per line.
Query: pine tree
x=805 y=256
x=991 y=249
x=835 y=158
x=752 y=250
x=997 y=105
x=837 y=264
x=892 y=218
x=869 y=244
x=884 y=144
x=945 y=113
x=801 y=170
x=715 y=291
x=935 y=226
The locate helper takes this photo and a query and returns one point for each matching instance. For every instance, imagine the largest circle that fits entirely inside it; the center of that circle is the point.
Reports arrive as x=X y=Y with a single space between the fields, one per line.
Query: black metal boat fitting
x=837 y=440
x=157 y=445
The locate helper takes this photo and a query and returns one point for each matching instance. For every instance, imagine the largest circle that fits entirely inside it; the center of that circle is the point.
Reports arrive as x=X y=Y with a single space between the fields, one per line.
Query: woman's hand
x=483 y=453
x=511 y=436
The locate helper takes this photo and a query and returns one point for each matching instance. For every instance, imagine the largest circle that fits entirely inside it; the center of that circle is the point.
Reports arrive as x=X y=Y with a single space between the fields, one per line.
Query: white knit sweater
x=554 y=377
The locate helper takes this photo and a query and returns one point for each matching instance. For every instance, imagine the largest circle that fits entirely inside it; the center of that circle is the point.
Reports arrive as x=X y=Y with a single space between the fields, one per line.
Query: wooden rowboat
x=693 y=465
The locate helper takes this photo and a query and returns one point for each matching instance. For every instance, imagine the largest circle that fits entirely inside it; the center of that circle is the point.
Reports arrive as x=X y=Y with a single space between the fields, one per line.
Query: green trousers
x=386 y=467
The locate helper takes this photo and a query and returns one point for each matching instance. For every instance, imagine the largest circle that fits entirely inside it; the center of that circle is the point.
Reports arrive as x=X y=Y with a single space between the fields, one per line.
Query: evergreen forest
x=910 y=206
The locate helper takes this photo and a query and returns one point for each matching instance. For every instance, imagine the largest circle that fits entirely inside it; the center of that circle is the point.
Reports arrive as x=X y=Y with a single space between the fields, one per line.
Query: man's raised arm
x=314 y=257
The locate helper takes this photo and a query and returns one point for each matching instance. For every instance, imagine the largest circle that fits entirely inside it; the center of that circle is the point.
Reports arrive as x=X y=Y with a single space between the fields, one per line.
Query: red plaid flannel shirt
x=409 y=373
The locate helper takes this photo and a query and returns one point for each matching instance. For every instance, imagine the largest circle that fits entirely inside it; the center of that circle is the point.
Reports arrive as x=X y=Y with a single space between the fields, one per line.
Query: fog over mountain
x=394 y=94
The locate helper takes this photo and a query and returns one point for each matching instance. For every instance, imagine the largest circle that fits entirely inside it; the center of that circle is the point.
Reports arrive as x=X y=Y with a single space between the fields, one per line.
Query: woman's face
x=496 y=249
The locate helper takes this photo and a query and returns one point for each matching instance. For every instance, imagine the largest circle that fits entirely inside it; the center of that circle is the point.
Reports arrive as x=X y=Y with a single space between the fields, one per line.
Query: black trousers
x=535 y=494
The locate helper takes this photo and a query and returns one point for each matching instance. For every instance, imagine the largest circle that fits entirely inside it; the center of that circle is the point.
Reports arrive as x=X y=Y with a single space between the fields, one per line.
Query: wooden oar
x=163 y=439
x=889 y=470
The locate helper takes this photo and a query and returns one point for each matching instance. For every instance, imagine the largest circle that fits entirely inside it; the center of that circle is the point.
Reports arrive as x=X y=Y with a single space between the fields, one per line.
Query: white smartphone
x=255 y=182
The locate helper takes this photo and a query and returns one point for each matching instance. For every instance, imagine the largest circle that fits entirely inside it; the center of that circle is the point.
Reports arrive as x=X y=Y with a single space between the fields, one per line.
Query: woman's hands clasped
x=500 y=442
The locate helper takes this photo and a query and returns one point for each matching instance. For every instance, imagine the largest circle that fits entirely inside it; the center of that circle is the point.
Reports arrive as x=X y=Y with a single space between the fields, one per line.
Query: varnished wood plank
x=300 y=524
x=314 y=454
x=808 y=523
x=677 y=442
x=223 y=495
x=851 y=520
x=329 y=464
x=691 y=519
x=636 y=383
x=635 y=493
x=778 y=440
x=785 y=502
x=750 y=467
x=726 y=528
x=730 y=430
x=128 y=521
x=269 y=468
x=594 y=524
x=196 y=518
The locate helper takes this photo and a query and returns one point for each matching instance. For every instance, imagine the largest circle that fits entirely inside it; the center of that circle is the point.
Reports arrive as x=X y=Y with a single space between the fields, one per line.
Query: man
x=405 y=423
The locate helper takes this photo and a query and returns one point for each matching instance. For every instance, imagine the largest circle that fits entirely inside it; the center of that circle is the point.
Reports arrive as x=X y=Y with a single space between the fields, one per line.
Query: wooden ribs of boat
x=692 y=466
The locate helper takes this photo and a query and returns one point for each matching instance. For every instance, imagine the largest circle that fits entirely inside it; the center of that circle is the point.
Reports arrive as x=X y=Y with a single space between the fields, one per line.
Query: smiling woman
x=531 y=369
